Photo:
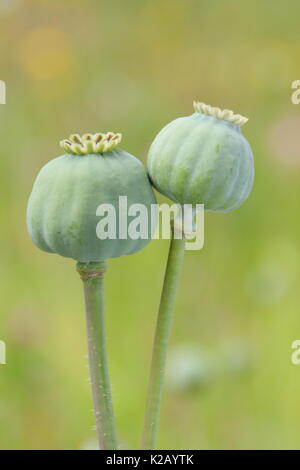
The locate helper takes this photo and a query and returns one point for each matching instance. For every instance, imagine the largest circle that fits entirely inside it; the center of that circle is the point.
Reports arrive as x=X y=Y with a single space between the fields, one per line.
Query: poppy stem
x=161 y=340
x=92 y=276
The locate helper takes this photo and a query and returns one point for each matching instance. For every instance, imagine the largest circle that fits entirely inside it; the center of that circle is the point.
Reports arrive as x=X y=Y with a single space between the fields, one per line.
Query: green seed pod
x=61 y=213
x=203 y=159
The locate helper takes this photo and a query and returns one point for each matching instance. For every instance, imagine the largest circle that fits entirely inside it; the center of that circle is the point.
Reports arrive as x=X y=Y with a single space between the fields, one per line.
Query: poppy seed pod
x=61 y=213
x=203 y=159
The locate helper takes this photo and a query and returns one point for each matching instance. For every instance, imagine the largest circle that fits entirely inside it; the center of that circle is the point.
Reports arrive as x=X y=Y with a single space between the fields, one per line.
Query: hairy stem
x=161 y=340
x=92 y=277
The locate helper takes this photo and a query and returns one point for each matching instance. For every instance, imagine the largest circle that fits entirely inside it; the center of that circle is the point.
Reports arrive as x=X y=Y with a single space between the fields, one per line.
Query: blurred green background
x=87 y=66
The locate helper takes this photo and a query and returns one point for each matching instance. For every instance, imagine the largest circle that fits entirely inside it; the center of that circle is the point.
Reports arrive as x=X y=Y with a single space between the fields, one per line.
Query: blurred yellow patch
x=46 y=53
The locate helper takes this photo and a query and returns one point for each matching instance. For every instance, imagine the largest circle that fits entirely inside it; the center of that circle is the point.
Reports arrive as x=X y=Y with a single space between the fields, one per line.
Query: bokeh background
x=87 y=66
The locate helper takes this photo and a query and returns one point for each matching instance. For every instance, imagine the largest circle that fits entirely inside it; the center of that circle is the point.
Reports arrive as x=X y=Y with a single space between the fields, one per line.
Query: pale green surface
x=133 y=67
x=62 y=209
x=200 y=159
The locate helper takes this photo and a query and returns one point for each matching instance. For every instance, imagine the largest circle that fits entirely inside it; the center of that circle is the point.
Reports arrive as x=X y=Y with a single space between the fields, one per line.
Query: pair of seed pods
x=198 y=159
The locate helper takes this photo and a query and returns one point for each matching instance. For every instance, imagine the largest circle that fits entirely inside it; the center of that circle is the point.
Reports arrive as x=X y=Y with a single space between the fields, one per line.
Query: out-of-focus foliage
x=133 y=66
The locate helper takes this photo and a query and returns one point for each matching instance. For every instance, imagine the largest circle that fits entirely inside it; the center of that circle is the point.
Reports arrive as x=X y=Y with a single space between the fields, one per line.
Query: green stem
x=161 y=340
x=92 y=277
